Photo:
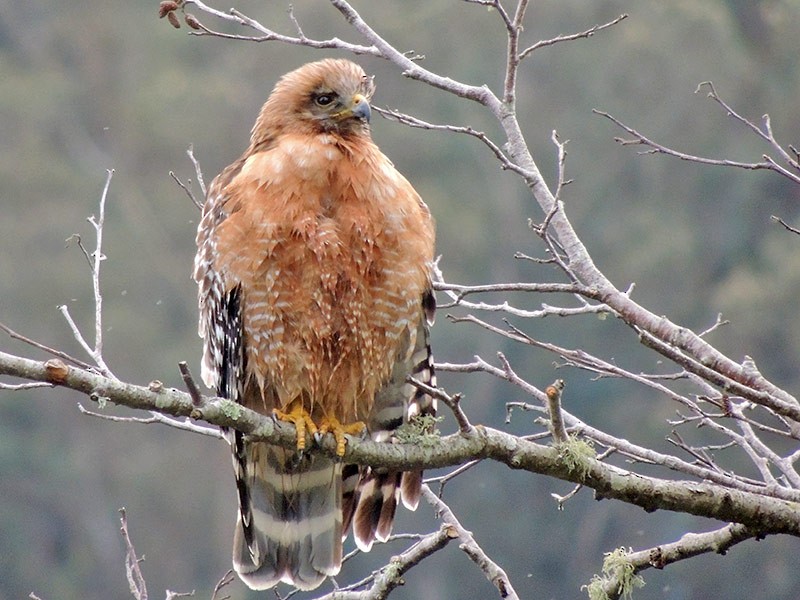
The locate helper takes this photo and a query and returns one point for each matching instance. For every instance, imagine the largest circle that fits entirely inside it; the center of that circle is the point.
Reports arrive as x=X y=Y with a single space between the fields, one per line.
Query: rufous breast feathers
x=332 y=249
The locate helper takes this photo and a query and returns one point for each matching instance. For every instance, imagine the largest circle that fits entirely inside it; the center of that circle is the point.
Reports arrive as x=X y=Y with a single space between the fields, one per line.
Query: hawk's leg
x=332 y=425
x=301 y=419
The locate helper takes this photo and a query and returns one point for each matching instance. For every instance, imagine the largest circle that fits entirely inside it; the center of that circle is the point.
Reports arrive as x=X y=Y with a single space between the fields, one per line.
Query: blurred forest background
x=89 y=86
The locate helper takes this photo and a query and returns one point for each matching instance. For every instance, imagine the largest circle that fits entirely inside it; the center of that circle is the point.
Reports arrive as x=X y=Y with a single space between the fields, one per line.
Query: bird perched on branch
x=314 y=272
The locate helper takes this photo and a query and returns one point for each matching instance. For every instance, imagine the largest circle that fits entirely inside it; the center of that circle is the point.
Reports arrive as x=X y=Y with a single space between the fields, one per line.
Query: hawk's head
x=327 y=96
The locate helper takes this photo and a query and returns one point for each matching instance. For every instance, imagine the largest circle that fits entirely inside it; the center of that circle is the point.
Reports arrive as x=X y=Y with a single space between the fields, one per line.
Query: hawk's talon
x=339 y=430
x=301 y=419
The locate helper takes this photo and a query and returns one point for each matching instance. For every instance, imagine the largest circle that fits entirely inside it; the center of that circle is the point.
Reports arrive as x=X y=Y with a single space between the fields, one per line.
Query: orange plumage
x=313 y=265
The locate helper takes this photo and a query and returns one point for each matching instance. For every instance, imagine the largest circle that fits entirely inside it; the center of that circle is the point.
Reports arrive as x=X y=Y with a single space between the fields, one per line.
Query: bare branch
x=562 y=177
x=656 y=148
x=569 y=38
x=23 y=386
x=493 y=572
x=625 y=447
x=136 y=580
x=785 y=224
x=391 y=576
x=557 y=430
x=688 y=546
x=452 y=402
x=97 y=257
x=186 y=187
x=411 y=69
x=194 y=391
x=226 y=580
x=411 y=121
x=514 y=30
x=156 y=418
x=765 y=133
x=763 y=513
x=75 y=237
x=198 y=172
x=495 y=4
x=268 y=35
x=717 y=324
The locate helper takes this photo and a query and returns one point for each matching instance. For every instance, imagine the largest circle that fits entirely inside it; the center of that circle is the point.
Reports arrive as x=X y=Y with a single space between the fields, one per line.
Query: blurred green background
x=89 y=86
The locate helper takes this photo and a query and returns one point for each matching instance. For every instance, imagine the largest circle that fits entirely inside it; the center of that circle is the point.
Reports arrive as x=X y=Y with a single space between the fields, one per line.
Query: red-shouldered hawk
x=314 y=271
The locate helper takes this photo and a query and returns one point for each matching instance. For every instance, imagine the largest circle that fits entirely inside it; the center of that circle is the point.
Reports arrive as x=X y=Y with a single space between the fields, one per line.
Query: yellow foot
x=332 y=425
x=301 y=419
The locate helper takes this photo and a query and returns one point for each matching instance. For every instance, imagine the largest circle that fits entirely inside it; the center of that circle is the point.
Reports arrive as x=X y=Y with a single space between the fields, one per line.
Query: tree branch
x=493 y=572
x=763 y=514
x=688 y=546
x=391 y=576
x=138 y=586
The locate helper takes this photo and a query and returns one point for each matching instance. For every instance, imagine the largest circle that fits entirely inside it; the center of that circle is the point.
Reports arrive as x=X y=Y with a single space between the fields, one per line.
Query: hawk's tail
x=371 y=494
x=289 y=526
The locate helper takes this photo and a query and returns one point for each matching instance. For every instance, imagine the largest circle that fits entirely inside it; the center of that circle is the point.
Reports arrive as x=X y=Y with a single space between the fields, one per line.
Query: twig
x=562 y=167
x=493 y=572
x=170 y=595
x=191 y=386
x=656 y=148
x=513 y=31
x=200 y=181
x=525 y=406
x=568 y=38
x=136 y=580
x=415 y=122
x=267 y=35
x=553 y=392
x=97 y=257
x=443 y=480
x=546 y=288
x=186 y=188
x=63 y=355
x=391 y=576
x=76 y=237
x=495 y=4
x=452 y=402
x=765 y=134
x=226 y=579
x=785 y=224
x=717 y=324
x=197 y=170
x=157 y=418
x=23 y=386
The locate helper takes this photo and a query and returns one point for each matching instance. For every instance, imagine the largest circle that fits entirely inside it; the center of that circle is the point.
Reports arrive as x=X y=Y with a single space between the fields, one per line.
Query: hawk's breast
x=332 y=248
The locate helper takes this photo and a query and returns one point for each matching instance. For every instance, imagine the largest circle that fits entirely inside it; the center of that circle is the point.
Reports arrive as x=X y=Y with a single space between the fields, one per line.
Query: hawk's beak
x=358 y=109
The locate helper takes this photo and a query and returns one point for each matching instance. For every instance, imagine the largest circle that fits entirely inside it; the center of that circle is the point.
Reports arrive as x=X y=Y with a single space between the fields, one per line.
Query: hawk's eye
x=324 y=99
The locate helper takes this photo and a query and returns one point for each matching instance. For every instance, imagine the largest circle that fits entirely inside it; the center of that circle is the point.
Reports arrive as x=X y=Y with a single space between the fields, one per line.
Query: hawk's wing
x=371 y=495
x=289 y=523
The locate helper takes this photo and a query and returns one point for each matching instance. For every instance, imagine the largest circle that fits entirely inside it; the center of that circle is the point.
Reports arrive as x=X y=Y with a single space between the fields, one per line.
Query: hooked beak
x=358 y=109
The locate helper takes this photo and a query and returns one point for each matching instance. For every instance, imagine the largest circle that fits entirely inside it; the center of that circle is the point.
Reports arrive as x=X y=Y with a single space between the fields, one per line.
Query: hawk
x=314 y=258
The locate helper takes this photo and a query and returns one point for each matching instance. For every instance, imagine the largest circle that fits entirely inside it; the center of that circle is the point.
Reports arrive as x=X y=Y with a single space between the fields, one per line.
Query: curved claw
x=301 y=419
x=332 y=425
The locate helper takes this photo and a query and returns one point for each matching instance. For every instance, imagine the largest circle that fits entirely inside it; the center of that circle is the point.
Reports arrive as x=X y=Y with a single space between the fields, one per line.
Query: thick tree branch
x=763 y=514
